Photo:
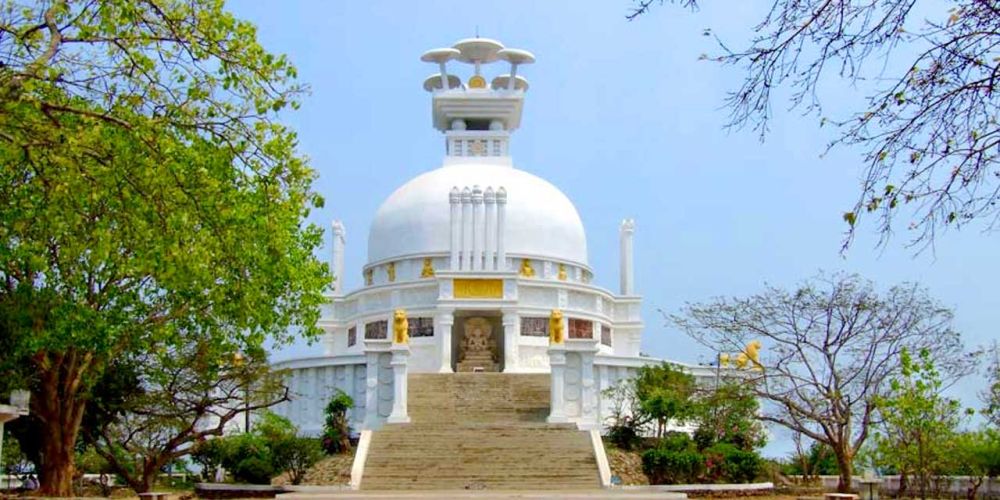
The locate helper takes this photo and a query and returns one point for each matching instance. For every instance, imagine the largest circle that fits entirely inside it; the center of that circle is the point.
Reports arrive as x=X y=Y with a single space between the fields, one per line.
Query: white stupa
x=478 y=255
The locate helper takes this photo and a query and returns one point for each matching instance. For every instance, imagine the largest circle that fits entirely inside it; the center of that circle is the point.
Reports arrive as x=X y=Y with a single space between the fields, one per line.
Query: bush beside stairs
x=479 y=431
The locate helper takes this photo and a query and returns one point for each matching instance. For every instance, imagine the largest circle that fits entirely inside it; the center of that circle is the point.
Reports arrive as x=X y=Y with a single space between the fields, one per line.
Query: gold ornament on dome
x=369 y=276
x=477 y=82
x=556 y=333
x=526 y=270
x=390 y=271
x=428 y=270
x=400 y=327
x=562 y=272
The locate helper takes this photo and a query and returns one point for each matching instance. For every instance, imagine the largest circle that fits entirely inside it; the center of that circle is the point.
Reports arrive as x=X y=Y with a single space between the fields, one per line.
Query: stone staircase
x=479 y=431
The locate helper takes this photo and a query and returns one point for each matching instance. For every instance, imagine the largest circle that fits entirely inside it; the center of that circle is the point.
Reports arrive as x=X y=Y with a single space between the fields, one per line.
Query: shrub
x=336 y=430
x=209 y=455
x=254 y=470
x=625 y=434
x=248 y=457
x=273 y=427
x=663 y=466
x=295 y=455
x=727 y=462
x=677 y=441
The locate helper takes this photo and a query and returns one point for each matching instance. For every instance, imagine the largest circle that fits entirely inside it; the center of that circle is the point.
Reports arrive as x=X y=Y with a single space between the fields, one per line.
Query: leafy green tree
x=189 y=393
x=816 y=460
x=147 y=196
x=919 y=425
x=728 y=414
x=665 y=393
x=977 y=455
x=336 y=428
x=929 y=130
x=296 y=455
x=830 y=346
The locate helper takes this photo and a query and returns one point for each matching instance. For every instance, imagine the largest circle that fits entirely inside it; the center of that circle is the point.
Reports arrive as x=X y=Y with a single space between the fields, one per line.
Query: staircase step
x=479 y=430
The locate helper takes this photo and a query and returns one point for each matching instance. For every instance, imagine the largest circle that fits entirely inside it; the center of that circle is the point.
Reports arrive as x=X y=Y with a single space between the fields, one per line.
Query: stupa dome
x=541 y=222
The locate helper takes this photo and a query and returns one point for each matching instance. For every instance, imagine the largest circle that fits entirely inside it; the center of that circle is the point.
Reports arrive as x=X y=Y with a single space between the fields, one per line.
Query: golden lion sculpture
x=556 y=334
x=748 y=359
x=400 y=327
x=753 y=354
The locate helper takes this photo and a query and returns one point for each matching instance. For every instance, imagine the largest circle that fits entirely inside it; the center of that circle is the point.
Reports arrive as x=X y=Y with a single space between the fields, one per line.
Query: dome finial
x=464 y=112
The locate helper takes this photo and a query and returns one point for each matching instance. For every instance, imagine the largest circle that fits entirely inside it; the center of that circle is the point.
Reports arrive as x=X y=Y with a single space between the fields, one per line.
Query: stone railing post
x=374 y=350
x=557 y=400
x=586 y=349
x=400 y=353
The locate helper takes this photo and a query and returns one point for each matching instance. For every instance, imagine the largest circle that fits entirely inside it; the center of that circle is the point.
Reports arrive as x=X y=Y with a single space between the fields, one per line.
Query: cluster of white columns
x=477 y=228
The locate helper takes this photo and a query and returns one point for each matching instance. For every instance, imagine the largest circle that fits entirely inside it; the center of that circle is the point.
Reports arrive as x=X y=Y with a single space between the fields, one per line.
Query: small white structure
x=18 y=407
x=479 y=254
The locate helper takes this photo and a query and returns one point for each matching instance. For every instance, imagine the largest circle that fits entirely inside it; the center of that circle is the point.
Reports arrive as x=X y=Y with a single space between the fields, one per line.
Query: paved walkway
x=342 y=494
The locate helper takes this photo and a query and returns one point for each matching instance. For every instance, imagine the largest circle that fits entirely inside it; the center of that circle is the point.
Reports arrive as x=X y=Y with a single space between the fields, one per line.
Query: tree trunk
x=57 y=468
x=846 y=466
x=59 y=407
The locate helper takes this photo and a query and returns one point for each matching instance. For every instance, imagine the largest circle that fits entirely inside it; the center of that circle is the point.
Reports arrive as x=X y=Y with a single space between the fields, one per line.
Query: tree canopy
x=830 y=347
x=928 y=131
x=148 y=195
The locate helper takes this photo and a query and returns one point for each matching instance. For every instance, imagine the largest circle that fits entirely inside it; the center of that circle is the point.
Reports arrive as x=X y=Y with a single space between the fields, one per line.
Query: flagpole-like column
x=455 y=200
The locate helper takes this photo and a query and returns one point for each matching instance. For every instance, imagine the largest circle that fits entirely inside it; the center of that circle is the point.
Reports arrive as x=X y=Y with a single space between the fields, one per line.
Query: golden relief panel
x=465 y=288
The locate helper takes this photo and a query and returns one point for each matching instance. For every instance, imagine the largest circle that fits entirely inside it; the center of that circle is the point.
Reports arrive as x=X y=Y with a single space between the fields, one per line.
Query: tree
x=189 y=393
x=811 y=462
x=728 y=414
x=830 y=347
x=977 y=454
x=991 y=395
x=336 y=436
x=918 y=424
x=296 y=455
x=147 y=196
x=665 y=394
x=929 y=130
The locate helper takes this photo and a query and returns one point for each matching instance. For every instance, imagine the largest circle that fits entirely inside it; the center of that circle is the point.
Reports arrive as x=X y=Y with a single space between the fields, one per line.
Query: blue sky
x=626 y=120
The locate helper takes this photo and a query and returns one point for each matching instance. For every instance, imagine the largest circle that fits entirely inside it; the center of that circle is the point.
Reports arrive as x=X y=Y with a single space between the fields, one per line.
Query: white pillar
x=501 y=209
x=477 y=228
x=399 y=415
x=557 y=404
x=455 y=199
x=627 y=273
x=489 y=248
x=337 y=257
x=588 y=388
x=511 y=332
x=374 y=350
x=466 y=229
x=443 y=322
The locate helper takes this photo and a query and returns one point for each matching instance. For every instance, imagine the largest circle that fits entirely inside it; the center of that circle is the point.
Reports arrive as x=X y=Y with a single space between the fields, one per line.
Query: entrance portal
x=477 y=347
